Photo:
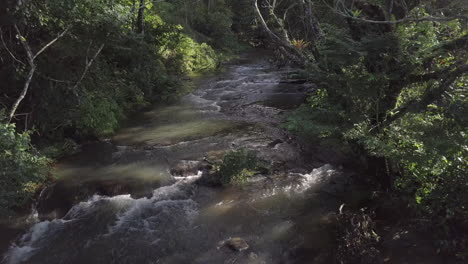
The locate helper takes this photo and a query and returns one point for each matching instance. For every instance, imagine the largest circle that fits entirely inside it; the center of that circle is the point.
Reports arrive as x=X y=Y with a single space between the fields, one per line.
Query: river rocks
x=274 y=143
x=185 y=168
x=112 y=188
x=189 y=167
x=210 y=178
x=137 y=189
x=55 y=201
x=235 y=243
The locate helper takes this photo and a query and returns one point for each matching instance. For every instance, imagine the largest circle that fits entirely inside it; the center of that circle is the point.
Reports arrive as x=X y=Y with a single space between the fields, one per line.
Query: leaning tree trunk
x=280 y=39
x=18 y=101
x=32 y=67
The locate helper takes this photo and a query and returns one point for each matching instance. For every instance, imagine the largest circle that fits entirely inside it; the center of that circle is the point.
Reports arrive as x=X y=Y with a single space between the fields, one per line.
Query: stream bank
x=136 y=197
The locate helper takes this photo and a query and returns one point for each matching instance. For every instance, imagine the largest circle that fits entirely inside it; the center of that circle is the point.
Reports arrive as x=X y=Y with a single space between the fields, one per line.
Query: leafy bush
x=132 y=71
x=237 y=167
x=22 y=169
x=59 y=149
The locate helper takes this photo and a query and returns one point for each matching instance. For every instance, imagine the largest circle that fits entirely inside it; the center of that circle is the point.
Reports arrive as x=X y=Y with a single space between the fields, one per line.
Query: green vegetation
x=237 y=167
x=105 y=65
x=22 y=172
x=392 y=86
x=74 y=70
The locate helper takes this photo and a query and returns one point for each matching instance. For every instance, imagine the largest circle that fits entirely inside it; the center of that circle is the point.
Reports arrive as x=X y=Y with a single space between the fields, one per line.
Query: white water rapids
x=174 y=219
x=170 y=211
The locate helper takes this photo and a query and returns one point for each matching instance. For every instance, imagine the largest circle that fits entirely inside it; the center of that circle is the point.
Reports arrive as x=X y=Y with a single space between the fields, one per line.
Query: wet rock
x=253 y=256
x=274 y=143
x=298 y=171
x=263 y=170
x=336 y=184
x=137 y=189
x=210 y=178
x=55 y=200
x=235 y=243
x=112 y=188
x=294 y=81
x=280 y=154
x=185 y=168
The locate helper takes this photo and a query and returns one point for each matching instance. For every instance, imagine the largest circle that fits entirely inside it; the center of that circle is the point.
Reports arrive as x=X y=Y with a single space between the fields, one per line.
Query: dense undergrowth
x=22 y=169
x=110 y=59
x=395 y=96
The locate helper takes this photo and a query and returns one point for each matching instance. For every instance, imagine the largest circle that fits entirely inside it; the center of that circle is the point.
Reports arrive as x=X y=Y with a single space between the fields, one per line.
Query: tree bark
x=32 y=67
x=141 y=18
x=87 y=66
x=283 y=42
x=23 y=93
x=312 y=22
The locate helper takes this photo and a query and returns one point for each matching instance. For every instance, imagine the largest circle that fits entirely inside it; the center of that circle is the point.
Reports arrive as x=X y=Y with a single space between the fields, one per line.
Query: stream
x=137 y=197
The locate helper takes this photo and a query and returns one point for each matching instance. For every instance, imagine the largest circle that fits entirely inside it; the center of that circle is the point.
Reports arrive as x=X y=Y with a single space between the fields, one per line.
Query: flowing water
x=134 y=198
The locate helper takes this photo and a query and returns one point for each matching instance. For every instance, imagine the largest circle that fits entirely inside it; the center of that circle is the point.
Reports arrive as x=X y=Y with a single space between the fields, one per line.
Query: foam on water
x=27 y=244
x=302 y=182
x=318 y=175
x=143 y=215
x=168 y=196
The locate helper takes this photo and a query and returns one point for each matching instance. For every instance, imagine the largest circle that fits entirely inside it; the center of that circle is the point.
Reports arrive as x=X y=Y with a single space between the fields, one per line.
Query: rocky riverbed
x=142 y=196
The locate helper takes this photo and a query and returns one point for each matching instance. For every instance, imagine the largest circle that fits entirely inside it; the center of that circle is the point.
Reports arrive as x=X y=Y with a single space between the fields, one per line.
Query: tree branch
x=87 y=66
x=51 y=42
x=8 y=50
x=398 y=21
x=429 y=96
x=285 y=45
x=32 y=65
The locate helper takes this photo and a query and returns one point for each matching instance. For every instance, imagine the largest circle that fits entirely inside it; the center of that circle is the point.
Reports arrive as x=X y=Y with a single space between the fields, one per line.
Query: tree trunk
x=282 y=40
x=313 y=27
x=311 y=22
x=23 y=93
x=31 y=57
x=141 y=18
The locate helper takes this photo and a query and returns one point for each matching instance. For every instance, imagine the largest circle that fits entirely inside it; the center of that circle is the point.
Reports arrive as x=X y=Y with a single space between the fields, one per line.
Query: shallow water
x=173 y=220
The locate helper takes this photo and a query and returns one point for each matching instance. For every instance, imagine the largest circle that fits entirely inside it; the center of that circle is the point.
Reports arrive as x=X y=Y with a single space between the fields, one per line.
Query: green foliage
x=59 y=149
x=70 y=98
x=237 y=167
x=22 y=169
x=244 y=22
x=97 y=116
x=372 y=80
x=187 y=56
x=131 y=72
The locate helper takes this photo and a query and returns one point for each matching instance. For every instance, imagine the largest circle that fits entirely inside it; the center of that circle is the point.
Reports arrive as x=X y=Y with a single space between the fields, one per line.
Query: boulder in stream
x=189 y=167
x=234 y=243
x=210 y=178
